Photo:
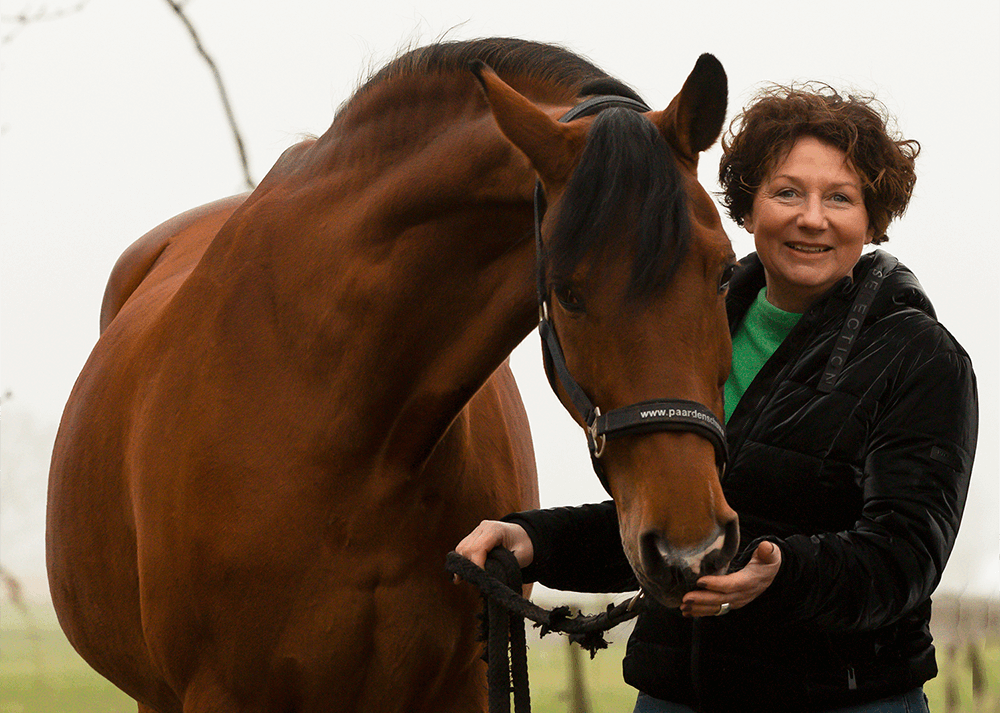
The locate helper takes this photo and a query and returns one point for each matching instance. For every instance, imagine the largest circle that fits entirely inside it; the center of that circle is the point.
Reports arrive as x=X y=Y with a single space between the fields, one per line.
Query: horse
x=300 y=399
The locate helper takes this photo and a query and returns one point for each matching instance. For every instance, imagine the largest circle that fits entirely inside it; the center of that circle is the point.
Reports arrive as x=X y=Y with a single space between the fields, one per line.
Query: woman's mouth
x=798 y=247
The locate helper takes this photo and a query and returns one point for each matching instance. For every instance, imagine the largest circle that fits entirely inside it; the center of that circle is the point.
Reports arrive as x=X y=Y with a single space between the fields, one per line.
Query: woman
x=851 y=417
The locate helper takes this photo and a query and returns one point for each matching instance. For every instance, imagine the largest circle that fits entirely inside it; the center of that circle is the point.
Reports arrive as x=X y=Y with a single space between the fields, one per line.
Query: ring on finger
x=723 y=609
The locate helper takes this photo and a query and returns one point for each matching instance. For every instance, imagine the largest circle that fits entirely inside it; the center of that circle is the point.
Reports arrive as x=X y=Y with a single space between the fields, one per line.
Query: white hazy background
x=111 y=124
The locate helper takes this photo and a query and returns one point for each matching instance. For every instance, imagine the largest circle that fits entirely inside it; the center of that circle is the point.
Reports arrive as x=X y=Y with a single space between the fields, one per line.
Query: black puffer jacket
x=862 y=488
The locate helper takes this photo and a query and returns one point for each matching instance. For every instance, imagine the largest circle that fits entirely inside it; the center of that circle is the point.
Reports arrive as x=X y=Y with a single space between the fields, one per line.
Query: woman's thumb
x=768 y=553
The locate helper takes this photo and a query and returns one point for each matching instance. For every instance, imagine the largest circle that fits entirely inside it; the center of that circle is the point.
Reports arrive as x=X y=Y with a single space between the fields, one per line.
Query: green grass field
x=41 y=673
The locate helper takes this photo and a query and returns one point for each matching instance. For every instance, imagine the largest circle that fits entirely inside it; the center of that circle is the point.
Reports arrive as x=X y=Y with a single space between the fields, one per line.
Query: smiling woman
x=814 y=178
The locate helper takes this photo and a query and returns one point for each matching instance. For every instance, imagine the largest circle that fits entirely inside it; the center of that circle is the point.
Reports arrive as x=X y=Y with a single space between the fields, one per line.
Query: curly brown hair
x=766 y=130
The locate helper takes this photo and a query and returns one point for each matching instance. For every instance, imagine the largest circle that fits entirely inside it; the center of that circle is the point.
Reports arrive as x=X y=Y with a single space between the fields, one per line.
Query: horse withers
x=300 y=399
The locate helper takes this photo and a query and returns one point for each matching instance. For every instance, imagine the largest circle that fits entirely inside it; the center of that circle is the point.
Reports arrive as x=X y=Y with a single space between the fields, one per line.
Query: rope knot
x=502 y=624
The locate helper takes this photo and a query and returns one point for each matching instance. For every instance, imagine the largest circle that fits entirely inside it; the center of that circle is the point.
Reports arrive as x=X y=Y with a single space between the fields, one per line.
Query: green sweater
x=761 y=332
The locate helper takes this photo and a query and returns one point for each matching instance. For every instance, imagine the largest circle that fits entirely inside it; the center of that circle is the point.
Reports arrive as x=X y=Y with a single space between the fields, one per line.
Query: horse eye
x=727 y=276
x=569 y=299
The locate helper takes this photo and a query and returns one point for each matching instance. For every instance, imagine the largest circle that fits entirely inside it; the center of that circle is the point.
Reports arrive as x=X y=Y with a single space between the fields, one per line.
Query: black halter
x=644 y=417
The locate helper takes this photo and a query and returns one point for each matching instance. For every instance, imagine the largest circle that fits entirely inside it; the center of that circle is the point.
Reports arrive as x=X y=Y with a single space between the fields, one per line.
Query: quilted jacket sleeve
x=577 y=549
x=915 y=482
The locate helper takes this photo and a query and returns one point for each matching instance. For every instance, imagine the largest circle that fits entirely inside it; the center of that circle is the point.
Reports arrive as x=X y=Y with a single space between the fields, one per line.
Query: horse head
x=633 y=269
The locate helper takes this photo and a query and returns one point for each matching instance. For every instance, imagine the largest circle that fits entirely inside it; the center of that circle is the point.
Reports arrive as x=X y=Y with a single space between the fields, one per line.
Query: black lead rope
x=504 y=612
x=506 y=647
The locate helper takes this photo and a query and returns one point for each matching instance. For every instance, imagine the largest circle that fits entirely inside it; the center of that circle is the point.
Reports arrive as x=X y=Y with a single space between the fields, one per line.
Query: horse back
x=169 y=251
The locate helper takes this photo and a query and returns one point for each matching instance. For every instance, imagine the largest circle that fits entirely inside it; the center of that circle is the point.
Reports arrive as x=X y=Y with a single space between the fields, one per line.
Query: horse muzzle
x=667 y=573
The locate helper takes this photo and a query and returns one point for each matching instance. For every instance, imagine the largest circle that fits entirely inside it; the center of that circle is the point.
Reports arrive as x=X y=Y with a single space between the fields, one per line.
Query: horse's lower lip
x=671 y=600
x=669 y=596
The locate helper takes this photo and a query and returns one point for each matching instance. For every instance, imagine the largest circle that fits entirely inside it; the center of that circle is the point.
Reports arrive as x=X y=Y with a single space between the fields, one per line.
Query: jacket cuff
x=529 y=574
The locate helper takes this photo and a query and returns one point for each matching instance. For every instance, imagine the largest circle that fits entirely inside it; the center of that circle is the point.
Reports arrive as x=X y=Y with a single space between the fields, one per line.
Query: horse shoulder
x=492 y=441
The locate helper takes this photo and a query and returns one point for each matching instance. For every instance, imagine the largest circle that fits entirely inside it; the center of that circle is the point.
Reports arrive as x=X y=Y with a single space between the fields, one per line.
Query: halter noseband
x=643 y=417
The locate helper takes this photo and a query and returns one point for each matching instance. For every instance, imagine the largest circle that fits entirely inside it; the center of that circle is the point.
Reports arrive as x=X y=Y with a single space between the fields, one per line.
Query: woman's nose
x=813 y=217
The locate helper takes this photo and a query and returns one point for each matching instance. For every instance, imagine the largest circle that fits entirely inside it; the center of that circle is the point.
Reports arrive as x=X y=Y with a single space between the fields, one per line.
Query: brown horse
x=300 y=399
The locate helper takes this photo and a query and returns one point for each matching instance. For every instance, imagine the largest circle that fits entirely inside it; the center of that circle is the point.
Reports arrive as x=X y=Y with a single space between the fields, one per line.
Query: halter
x=643 y=417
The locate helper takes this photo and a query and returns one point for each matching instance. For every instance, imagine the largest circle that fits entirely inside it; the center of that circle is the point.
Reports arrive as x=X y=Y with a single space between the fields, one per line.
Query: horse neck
x=399 y=283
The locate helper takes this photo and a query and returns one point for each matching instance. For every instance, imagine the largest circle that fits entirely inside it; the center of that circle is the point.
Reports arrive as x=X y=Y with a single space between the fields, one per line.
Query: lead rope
x=504 y=612
x=507 y=665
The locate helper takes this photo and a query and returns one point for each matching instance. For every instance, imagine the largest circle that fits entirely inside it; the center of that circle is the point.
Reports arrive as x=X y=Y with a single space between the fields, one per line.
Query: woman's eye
x=727 y=276
x=569 y=299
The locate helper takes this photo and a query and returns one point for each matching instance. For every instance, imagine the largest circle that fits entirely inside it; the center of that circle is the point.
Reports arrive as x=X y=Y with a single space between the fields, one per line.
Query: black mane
x=506 y=56
x=625 y=188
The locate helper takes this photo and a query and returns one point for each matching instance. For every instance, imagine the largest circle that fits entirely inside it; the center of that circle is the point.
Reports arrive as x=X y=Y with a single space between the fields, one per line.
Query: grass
x=549 y=663
x=41 y=673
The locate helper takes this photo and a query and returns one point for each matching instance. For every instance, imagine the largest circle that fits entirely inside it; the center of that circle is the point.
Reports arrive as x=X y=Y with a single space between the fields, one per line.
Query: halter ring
x=597 y=441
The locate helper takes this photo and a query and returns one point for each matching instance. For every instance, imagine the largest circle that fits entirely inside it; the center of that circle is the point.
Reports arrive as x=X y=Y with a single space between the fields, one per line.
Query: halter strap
x=644 y=417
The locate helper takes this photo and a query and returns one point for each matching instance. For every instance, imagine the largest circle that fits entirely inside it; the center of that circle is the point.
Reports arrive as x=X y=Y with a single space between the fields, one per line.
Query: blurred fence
x=961 y=618
x=966 y=633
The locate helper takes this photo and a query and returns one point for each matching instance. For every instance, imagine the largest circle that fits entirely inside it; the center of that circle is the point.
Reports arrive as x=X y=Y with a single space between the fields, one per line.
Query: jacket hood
x=900 y=288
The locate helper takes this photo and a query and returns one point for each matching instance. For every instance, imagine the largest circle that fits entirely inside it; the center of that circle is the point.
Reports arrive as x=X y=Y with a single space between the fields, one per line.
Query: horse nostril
x=668 y=571
x=652 y=547
x=717 y=561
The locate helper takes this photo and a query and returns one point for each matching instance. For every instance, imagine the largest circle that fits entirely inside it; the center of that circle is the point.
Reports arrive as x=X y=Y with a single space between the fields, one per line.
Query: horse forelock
x=625 y=194
x=508 y=57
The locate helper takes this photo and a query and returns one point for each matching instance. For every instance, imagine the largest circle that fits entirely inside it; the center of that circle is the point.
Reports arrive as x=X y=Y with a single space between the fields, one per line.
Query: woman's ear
x=748 y=222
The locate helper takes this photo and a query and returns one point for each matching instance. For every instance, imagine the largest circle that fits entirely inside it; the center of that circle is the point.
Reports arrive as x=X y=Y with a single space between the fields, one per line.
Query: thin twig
x=223 y=94
x=25 y=18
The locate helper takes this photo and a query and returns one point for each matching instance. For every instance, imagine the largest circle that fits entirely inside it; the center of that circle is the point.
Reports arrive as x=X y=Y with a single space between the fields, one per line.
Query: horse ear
x=693 y=120
x=548 y=144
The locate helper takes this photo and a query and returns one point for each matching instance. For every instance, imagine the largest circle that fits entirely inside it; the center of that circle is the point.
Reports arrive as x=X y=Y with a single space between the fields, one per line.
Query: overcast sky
x=111 y=124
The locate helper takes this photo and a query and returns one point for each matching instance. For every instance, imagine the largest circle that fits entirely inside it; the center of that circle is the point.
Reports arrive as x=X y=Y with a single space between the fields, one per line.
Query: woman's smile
x=807 y=248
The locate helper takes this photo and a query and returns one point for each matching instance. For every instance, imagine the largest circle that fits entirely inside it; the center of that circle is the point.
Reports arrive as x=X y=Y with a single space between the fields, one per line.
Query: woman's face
x=809 y=223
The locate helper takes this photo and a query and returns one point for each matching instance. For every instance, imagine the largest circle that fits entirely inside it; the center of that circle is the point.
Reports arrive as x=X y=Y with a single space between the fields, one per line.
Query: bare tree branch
x=178 y=8
x=27 y=17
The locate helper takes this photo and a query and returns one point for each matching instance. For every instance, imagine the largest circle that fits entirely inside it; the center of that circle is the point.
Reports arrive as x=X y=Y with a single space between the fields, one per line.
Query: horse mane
x=507 y=57
x=626 y=188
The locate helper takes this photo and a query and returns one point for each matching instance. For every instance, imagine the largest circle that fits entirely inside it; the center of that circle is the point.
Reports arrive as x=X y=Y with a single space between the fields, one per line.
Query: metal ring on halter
x=597 y=441
x=599 y=445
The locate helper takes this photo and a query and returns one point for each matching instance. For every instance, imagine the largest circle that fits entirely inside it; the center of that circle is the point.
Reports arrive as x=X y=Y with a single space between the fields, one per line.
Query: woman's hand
x=491 y=533
x=737 y=589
